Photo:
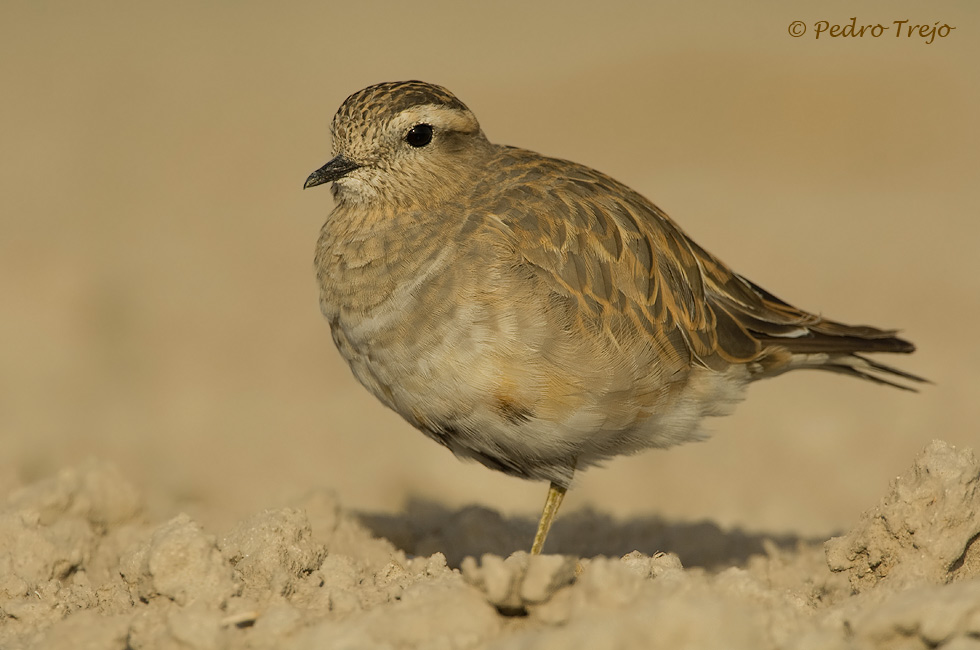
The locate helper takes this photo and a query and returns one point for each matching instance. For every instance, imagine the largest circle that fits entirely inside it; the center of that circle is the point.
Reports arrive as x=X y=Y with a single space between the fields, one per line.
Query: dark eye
x=419 y=136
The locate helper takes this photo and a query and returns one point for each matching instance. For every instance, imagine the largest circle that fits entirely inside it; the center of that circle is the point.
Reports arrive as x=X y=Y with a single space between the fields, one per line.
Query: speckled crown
x=383 y=101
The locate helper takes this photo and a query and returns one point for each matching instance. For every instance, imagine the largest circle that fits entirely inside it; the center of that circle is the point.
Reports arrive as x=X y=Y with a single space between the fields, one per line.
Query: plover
x=534 y=314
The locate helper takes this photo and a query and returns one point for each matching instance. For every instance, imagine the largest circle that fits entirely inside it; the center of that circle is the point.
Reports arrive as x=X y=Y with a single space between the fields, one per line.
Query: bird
x=533 y=314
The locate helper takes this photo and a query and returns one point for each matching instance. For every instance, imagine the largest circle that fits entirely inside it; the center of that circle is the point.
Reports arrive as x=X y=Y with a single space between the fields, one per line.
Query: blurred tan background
x=158 y=302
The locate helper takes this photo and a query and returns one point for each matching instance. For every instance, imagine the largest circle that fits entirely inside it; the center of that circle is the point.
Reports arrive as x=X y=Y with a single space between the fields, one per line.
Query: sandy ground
x=159 y=318
x=83 y=567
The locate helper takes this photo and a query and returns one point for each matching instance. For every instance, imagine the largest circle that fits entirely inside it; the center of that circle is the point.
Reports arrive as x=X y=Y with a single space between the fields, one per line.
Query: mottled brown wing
x=610 y=249
x=613 y=251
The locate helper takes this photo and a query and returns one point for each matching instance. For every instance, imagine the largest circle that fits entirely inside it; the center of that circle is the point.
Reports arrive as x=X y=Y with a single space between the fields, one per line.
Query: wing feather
x=614 y=252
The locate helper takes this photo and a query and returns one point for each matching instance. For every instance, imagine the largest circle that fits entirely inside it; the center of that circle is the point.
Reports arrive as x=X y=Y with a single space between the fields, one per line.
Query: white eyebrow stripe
x=442 y=117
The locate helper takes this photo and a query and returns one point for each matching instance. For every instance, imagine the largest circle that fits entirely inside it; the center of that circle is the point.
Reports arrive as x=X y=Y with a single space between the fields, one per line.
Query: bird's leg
x=555 y=494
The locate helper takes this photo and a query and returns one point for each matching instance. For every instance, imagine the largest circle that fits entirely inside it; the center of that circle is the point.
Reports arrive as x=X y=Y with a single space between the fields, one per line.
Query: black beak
x=333 y=170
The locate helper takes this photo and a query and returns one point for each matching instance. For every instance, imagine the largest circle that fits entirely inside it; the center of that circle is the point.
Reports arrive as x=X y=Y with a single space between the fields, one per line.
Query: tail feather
x=773 y=336
x=860 y=366
x=813 y=342
x=830 y=337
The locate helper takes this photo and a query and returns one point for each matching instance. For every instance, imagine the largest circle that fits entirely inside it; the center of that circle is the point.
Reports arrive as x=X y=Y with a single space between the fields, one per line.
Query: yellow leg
x=555 y=494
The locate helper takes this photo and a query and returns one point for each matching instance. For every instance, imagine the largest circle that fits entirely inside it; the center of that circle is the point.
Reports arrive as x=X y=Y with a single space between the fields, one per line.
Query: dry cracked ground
x=81 y=566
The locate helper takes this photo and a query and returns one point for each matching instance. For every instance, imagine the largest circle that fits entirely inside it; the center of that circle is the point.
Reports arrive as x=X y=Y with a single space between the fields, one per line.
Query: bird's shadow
x=425 y=527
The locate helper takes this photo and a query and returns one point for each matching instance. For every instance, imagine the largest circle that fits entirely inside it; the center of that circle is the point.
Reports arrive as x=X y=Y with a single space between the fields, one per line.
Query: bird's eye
x=419 y=135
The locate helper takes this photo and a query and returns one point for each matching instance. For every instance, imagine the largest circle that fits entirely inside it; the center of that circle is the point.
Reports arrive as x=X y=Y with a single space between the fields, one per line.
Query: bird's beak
x=333 y=170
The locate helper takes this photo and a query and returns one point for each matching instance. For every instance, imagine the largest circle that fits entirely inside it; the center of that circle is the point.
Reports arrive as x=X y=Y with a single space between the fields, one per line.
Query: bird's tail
x=773 y=336
x=858 y=365
x=840 y=348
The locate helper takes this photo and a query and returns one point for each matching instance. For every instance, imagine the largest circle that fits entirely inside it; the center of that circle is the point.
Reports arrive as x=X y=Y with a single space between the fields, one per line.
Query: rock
x=180 y=562
x=924 y=531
